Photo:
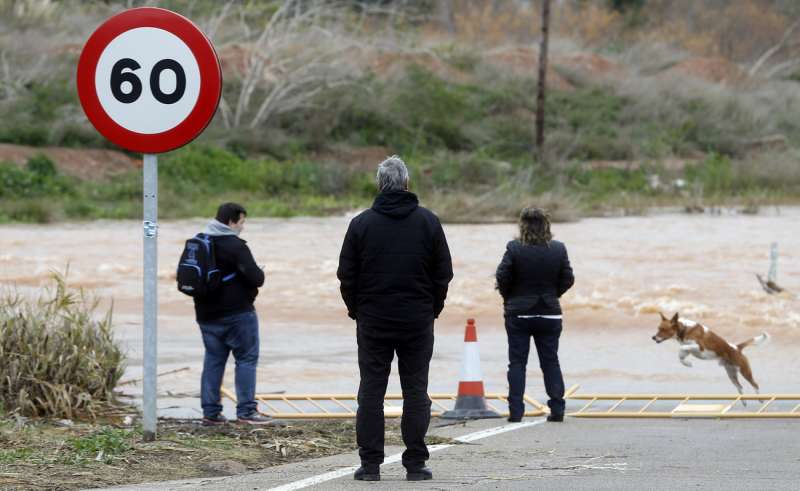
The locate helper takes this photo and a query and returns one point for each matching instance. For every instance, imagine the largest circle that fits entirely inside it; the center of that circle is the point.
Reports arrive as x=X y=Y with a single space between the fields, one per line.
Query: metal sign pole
x=112 y=94
x=150 y=187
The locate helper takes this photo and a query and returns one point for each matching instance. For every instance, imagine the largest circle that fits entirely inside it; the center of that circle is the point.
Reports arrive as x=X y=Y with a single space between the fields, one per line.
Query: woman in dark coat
x=533 y=274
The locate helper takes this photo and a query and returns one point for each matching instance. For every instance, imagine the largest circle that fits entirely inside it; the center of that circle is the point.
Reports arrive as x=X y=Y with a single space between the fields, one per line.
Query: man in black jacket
x=394 y=270
x=228 y=320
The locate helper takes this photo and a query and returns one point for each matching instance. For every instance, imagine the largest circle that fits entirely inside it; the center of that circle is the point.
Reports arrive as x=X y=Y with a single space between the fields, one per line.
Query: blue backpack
x=198 y=274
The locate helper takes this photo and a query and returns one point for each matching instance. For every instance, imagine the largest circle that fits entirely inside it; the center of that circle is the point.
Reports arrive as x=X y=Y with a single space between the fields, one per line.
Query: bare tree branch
x=783 y=67
x=213 y=23
x=256 y=63
x=770 y=52
x=225 y=111
x=305 y=48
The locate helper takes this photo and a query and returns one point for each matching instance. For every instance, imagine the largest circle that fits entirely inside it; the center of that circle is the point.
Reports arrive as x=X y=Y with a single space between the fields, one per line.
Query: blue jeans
x=237 y=333
x=545 y=333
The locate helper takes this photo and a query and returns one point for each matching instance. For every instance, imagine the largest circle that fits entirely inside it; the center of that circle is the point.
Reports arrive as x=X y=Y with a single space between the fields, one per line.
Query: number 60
x=118 y=77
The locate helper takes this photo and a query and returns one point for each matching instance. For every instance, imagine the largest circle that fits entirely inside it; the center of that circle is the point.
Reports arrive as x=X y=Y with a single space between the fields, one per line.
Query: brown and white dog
x=698 y=340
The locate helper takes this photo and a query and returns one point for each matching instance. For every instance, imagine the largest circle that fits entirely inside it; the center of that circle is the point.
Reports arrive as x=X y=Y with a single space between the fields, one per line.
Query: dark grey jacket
x=531 y=278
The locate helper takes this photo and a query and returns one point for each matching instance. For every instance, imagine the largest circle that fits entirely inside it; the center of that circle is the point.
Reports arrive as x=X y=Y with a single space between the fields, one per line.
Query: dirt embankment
x=91 y=164
x=714 y=70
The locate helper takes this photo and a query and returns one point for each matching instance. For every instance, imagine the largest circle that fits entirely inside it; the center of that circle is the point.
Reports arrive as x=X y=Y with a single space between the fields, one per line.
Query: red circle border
x=210 y=80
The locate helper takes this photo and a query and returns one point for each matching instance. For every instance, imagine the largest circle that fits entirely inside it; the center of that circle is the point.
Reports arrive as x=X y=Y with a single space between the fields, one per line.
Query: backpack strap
x=208 y=240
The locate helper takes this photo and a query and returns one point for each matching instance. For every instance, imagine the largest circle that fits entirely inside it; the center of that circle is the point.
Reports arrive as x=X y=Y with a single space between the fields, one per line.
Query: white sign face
x=147 y=80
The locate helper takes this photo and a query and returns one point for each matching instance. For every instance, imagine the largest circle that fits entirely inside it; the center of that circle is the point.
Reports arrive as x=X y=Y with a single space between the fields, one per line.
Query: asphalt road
x=576 y=455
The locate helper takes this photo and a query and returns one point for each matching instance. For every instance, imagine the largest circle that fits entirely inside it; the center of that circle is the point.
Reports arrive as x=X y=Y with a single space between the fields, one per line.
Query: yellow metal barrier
x=601 y=405
x=685 y=405
x=342 y=406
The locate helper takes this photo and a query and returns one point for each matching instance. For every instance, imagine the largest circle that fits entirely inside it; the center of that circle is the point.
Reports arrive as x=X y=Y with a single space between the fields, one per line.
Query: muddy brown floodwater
x=627 y=269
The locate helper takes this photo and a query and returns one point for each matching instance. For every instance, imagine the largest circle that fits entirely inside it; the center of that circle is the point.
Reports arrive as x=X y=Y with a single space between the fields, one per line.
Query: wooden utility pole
x=539 y=152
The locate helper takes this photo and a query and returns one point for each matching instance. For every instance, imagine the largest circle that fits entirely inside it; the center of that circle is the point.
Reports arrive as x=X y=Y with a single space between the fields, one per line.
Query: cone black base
x=470 y=407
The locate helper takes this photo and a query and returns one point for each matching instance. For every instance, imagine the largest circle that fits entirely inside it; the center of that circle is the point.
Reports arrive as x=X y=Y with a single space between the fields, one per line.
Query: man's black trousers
x=376 y=347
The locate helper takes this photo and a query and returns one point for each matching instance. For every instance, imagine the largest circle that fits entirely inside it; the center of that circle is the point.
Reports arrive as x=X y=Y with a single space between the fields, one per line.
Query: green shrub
x=103 y=445
x=205 y=170
x=77 y=136
x=30 y=210
x=721 y=128
x=593 y=117
x=460 y=171
x=662 y=122
x=779 y=171
x=14 y=181
x=46 y=99
x=602 y=184
x=39 y=108
x=42 y=167
x=418 y=112
x=437 y=108
x=56 y=358
x=199 y=168
x=714 y=174
x=38 y=178
x=20 y=133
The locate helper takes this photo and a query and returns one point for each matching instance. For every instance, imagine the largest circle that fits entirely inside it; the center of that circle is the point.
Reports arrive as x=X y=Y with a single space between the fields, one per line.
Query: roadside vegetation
x=645 y=109
x=37 y=454
x=56 y=358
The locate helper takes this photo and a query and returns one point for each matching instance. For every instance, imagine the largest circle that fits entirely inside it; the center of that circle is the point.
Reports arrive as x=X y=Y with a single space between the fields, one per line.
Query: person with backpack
x=218 y=270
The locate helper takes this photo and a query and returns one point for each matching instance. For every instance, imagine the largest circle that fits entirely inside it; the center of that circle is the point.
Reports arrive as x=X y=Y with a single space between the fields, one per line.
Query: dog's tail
x=763 y=338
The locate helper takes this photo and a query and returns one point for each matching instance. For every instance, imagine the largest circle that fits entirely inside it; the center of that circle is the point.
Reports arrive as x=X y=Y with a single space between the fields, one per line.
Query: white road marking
x=471 y=437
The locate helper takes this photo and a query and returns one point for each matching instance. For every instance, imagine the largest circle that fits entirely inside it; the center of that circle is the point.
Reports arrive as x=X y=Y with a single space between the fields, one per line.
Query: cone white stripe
x=471 y=368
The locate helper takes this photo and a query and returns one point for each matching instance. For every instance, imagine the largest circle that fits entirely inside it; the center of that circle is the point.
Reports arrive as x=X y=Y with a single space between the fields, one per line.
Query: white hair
x=392 y=175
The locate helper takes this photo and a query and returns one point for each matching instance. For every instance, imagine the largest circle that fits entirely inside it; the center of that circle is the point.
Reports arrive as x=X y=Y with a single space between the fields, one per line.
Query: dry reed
x=57 y=359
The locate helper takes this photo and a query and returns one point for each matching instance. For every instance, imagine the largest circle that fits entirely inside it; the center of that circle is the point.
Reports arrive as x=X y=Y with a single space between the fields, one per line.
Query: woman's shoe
x=515 y=419
x=555 y=418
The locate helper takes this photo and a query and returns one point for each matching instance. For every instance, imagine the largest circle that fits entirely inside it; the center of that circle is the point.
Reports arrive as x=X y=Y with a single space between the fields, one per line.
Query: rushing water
x=627 y=269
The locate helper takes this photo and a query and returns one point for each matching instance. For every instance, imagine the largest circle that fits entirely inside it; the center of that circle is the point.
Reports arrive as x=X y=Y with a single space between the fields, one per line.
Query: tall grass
x=56 y=358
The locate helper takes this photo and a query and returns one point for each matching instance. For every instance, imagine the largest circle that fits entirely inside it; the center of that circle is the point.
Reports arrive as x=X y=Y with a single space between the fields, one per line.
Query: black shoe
x=514 y=419
x=215 y=420
x=362 y=474
x=555 y=418
x=421 y=474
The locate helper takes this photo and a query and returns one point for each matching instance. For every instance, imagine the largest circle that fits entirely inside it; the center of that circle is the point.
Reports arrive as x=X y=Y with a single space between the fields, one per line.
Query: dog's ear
x=674 y=319
x=663 y=318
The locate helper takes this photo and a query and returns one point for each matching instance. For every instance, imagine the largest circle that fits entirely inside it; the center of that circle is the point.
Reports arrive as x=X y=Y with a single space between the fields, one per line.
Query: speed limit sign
x=149 y=80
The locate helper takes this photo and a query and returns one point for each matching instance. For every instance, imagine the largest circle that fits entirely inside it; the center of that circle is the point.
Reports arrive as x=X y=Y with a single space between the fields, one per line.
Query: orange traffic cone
x=471 y=401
